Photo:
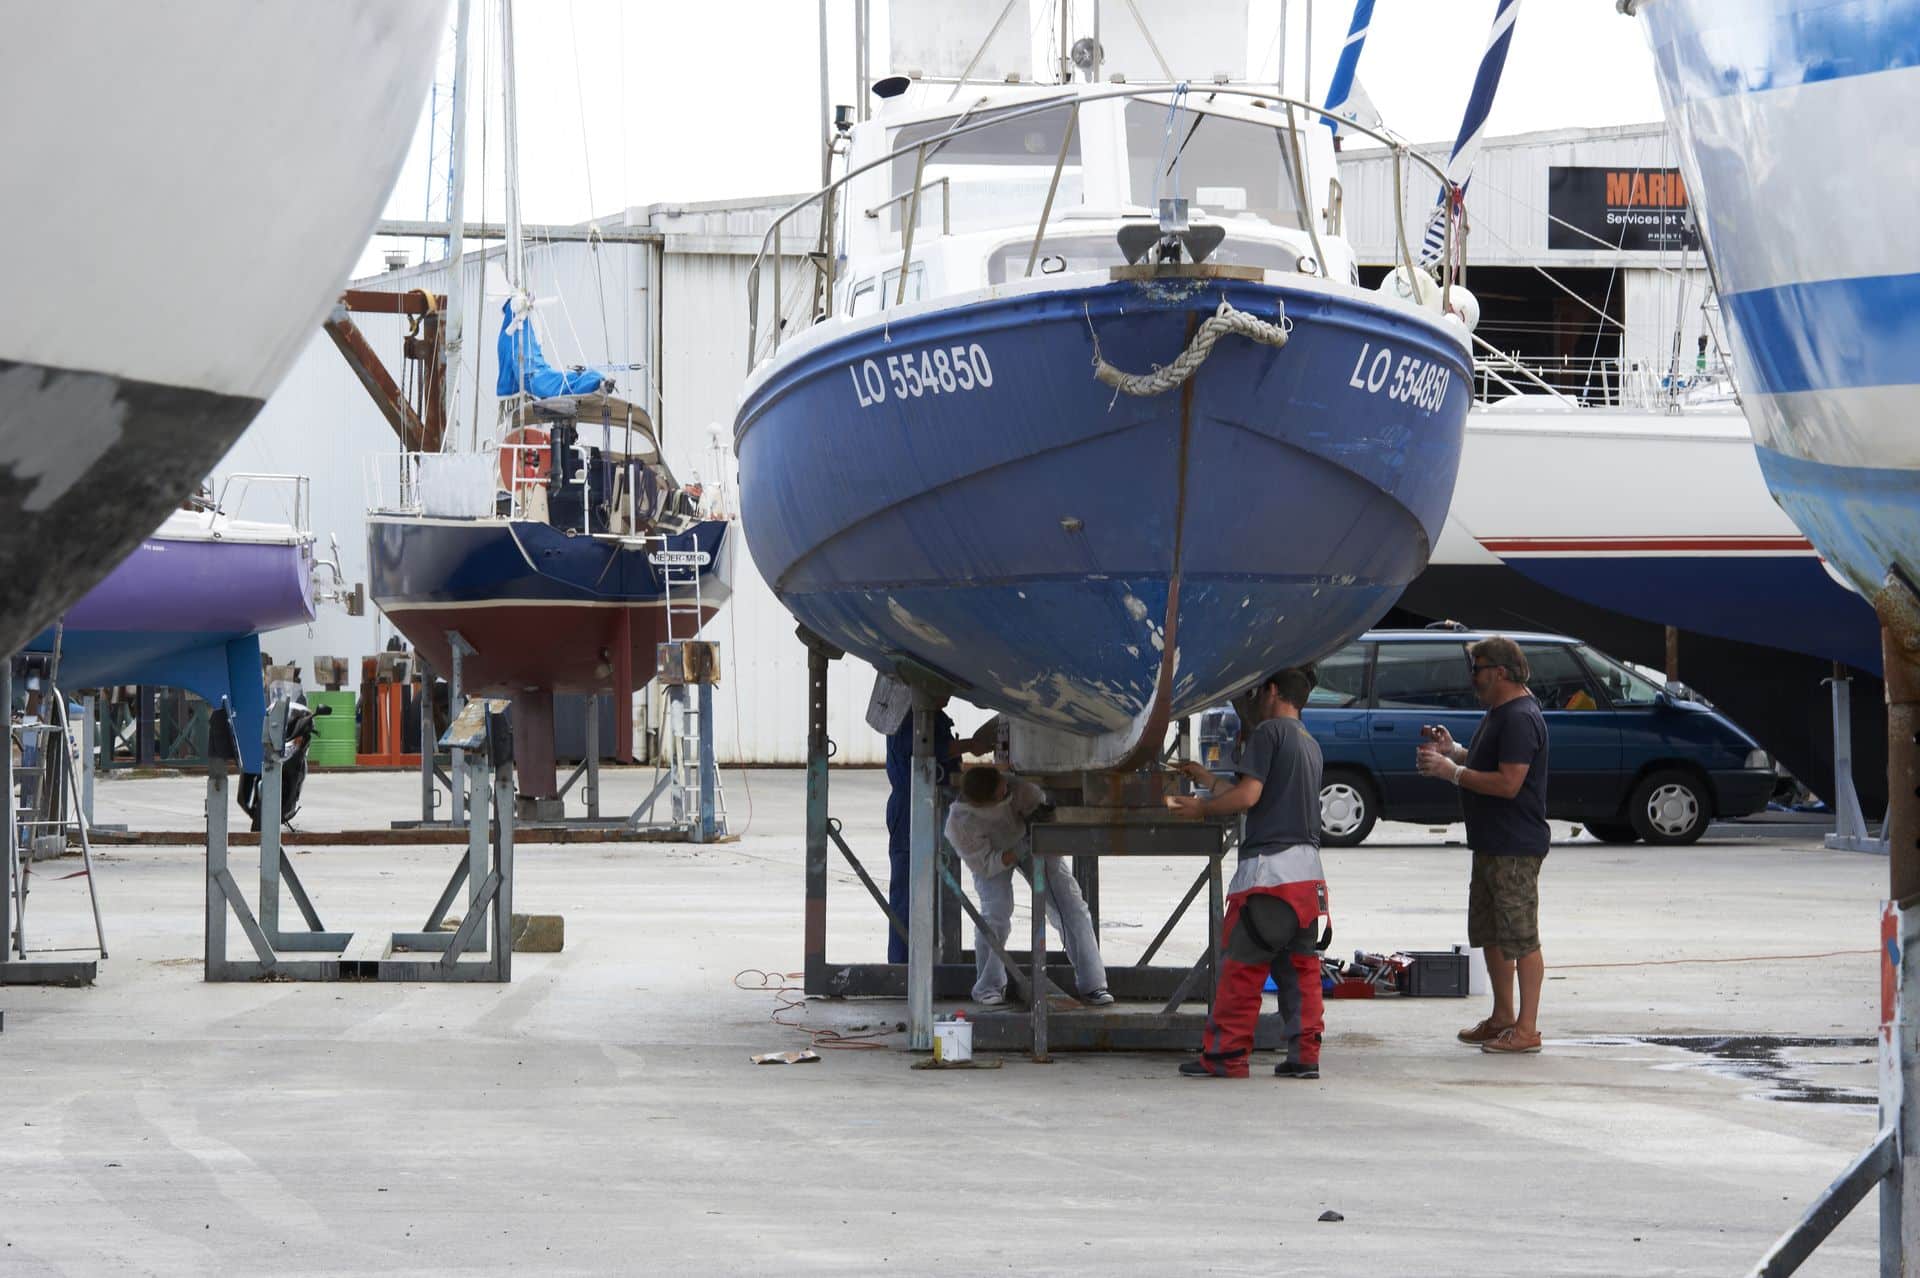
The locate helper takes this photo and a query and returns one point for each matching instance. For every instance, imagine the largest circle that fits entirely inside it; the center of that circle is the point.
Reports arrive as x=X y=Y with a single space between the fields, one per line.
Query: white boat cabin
x=1238 y=161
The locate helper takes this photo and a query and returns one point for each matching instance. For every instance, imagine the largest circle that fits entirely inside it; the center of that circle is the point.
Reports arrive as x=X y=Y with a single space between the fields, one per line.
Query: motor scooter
x=293 y=765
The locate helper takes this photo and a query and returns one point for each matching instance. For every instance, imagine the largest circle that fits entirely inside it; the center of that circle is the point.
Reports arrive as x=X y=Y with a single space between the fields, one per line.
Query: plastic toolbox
x=1435 y=974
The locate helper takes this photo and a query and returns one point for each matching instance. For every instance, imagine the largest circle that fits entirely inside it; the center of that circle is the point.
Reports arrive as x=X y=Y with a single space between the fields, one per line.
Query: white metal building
x=1627 y=261
x=674 y=309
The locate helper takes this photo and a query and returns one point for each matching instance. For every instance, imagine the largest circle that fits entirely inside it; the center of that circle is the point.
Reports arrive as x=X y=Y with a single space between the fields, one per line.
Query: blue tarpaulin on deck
x=541 y=379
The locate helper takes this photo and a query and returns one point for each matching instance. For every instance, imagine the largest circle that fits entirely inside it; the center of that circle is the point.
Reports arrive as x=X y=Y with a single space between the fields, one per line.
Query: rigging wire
x=1548 y=277
x=594 y=241
x=1613 y=276
x=626 y=193
x=560 y=295
x=1581 y=231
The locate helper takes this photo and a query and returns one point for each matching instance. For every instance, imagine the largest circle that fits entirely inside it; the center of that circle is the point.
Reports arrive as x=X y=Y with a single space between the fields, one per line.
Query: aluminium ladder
x=680 y=581
x=49 y=759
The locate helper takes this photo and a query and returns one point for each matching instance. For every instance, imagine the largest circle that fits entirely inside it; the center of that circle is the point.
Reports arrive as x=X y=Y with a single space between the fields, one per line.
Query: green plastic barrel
x=334 y=736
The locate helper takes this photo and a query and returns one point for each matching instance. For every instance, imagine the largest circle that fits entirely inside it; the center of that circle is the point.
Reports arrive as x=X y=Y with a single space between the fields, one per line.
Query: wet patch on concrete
x=1792 y=1069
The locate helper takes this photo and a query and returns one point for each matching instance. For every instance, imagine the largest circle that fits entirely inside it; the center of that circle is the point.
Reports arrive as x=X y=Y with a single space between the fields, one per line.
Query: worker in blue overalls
x=946 y=760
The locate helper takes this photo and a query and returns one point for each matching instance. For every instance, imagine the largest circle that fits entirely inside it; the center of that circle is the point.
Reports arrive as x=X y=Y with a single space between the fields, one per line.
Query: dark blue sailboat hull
x=542 y=609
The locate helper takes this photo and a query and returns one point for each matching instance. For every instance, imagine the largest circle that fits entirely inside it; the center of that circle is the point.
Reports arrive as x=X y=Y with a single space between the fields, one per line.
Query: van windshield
x=1624 y=687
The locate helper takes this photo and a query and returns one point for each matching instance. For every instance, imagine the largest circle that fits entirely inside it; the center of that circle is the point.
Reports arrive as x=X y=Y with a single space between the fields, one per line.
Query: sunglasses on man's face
x=1473 y=669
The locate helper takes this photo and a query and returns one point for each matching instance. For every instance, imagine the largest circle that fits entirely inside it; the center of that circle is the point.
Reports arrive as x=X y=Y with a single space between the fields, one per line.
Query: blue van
x=1627 y=759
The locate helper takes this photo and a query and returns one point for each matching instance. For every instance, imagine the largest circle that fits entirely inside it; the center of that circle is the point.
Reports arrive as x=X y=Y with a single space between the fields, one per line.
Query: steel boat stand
x=939 y=968
x=1892 y=1160
x=479 y=949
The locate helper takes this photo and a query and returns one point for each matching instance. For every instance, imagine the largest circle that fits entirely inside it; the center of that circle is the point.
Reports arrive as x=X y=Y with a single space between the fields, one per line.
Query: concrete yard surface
x=1704 y=1078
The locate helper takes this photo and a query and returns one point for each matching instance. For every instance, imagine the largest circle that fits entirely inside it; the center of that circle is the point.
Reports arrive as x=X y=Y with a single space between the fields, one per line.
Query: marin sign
x=1594 y=208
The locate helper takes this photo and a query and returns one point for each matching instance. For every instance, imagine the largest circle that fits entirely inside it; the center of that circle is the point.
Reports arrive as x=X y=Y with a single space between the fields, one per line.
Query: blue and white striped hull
x=1792 y=118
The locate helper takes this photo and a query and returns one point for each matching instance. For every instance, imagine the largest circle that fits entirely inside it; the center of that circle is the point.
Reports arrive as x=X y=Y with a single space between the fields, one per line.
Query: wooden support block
x=532 y=933
x=539 y=933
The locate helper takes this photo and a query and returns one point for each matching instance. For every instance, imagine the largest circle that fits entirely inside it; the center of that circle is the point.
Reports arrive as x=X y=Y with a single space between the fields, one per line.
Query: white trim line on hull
x=706 y=602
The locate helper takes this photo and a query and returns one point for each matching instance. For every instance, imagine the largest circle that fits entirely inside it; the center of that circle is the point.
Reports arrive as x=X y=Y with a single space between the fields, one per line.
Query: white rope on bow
x=1164 y=378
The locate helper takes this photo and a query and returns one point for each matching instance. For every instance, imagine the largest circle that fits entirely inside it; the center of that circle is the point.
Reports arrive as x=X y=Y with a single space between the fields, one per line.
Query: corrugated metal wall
x=1655 y=300
x=322 y=424
x=1506 y=200
x=762 y=701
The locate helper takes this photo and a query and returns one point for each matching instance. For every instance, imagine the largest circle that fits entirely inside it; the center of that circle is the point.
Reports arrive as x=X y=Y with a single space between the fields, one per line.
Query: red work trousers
x=1267 y=929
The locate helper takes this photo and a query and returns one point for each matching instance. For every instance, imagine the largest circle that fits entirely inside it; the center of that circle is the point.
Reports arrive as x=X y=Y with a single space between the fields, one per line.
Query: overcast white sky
x=647 y=101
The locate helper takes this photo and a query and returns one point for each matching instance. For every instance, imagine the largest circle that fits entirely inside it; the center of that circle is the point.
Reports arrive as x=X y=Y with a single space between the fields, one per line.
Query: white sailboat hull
x=187 y=187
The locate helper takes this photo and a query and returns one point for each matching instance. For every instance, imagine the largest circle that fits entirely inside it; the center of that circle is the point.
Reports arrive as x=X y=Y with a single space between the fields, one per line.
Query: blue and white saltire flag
x=1341 y=90
x=1466 y=147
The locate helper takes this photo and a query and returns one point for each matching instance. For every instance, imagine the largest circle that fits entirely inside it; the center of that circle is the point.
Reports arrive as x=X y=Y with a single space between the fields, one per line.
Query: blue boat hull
x=1787 y=114
x=1087 y=561
x=217 y=667
x=1864 y=516
x=544 y=610
x=1781 y=601
x=187 y=612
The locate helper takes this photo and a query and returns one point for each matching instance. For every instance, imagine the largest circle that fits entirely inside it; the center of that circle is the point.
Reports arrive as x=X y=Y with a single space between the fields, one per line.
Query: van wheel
x=1349 y=807
x=1669 y=808
x=1612 y=831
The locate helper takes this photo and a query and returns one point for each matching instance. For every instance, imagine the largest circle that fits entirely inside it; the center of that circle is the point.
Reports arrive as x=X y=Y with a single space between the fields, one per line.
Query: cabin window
x=1227 y=168
x=996 y=176
x=864 y=300
x=916 y=284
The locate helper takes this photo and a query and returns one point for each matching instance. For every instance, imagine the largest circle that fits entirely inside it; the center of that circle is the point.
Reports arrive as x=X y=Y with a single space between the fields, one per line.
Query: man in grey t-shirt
x=1278 y=891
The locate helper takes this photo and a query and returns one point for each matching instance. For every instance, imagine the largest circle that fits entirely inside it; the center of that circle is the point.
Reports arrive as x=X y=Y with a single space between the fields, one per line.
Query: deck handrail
x=302 y=485
x=770 y=242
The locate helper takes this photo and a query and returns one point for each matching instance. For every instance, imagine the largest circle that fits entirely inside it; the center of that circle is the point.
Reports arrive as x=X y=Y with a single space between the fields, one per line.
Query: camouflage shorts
x=1503 y=904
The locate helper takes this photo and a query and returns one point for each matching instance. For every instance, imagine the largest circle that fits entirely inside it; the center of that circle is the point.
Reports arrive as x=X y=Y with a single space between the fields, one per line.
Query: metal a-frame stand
x=586 y=773
x=1892 y=1161
x=937 y=966
x=1850 y=833
x=480 y=949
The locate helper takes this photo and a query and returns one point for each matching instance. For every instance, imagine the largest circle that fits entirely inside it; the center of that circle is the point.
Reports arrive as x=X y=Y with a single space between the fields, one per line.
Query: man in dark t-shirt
x=1279 y=890
x=1502 y=775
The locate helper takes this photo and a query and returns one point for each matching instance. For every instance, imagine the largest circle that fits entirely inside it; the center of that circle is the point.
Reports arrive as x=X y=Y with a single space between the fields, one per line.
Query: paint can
x=953 y=1041
x=1478 y=982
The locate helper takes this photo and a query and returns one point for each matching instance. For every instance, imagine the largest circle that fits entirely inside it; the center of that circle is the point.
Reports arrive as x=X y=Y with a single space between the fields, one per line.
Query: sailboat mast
x=516 y=232
x=510 y=127
x=455 y=320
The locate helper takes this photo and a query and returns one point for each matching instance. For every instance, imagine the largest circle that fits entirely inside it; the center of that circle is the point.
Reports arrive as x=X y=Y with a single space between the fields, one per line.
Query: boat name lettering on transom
x=1406 y=378
x=948 y=370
